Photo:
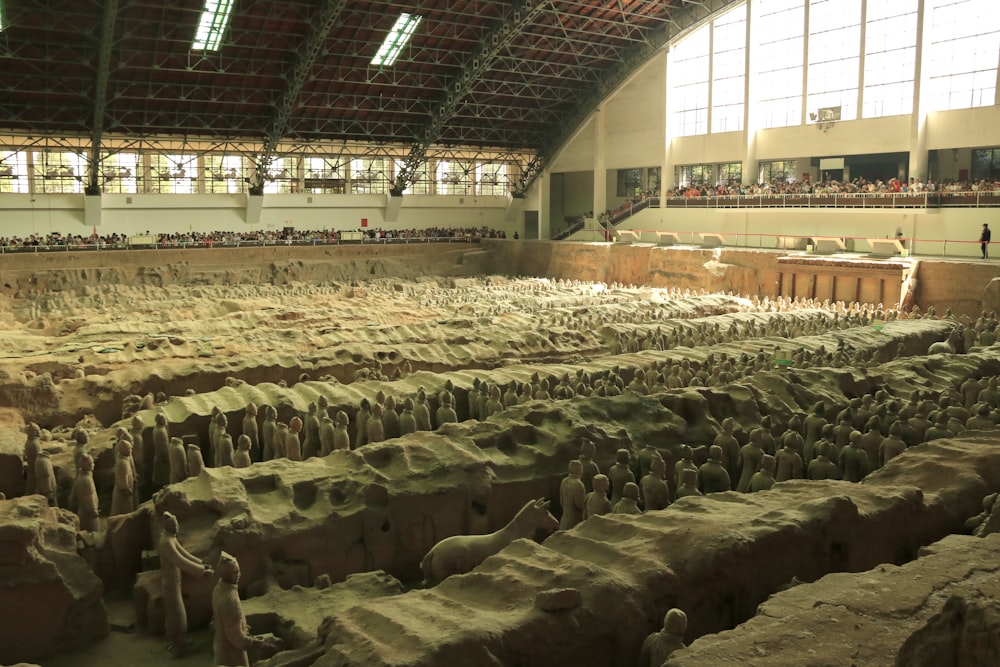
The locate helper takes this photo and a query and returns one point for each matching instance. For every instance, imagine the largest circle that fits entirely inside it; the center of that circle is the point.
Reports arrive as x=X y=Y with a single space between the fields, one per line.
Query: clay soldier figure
x=310 y=442
x=232 y=637
x=572 y=496
x=341 y=438
x=980 y=420
x=175 y=560
x=655 y=493
x=789 y=464
x=730 y=447
x=854 y=463
x=597 y=502
x=510 y=396
x=390 y=419
x=587 y=452
x=660 y=645
x=327 y=434
x=449 y=388
x=685 y=462
x=86 y=495
x=268 y=433
x=31 y=448
x=142 y=455
x=241 y=457
x=178 y=460
x=161 y=452
x=280 y=437
x=892 y=446
x=688 y=485
x=629 y=503
x=407 y=422
x=215 y=426
x=473 y=399
x=421 y=413
x=224 y=449
x=446 y=413
x=361 y=421
x=712 y=475
x=194 y=460
x=293 y=446
x=813 y=424
x=376 y=432
x=493 y=403
x=250 y=429
x=45 y=478
x=645 y=458
x=750 y=456
x=763 y=479
x=822 y=467
x=123 y=496
x=620 y=474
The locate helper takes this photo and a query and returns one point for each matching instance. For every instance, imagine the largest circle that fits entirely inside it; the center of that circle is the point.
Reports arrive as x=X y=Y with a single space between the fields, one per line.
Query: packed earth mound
x=454 y=400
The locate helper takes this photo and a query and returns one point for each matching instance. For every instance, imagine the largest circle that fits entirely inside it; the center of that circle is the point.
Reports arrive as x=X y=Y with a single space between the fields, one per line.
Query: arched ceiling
x=509 y=75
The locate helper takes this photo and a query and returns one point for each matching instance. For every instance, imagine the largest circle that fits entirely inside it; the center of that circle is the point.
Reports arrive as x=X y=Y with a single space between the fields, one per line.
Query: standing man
x=984 y=239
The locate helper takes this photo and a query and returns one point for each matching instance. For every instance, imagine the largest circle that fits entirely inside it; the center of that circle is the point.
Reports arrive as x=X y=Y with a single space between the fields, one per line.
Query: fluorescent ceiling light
x=212 y=25
x=397 y=38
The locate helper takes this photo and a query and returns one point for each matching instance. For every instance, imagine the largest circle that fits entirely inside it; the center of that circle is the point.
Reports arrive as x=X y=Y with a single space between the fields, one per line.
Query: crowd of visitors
x=858 y=185
x=255 y=237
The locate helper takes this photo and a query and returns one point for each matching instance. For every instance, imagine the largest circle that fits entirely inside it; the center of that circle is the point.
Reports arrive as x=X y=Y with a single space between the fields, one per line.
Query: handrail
x=965 y=199
x=928 y=247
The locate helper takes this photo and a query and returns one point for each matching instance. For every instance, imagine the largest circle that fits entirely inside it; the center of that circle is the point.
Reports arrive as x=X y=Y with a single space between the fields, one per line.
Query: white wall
x=24 y=215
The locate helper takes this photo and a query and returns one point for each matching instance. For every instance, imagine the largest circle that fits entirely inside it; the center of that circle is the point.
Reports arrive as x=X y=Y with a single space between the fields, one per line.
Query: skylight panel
x=397 y=38
x=213 y=25
x=3 y=16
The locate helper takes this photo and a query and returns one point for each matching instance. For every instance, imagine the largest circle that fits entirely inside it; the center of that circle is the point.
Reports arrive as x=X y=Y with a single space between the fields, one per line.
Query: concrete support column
x=600 y=170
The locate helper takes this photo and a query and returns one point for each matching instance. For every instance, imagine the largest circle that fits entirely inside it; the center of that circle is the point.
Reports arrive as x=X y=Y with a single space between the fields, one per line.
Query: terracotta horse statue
x=954 y=344
x=461 y=553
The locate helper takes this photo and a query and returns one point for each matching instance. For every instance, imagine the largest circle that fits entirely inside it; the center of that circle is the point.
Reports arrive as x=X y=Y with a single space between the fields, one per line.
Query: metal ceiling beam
x=101 y=95
x=499 y=38
x=691 y=14
x=307 y=55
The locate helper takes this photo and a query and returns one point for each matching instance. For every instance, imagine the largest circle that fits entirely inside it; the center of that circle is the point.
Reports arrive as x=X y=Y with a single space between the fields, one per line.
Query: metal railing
x=880 y=200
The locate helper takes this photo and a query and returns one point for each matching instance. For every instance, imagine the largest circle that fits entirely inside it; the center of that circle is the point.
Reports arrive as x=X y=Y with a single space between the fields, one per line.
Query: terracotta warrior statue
x=572 y=496
x=175 y=560
x=660 y=645
x=597 y=500
x=232 y=636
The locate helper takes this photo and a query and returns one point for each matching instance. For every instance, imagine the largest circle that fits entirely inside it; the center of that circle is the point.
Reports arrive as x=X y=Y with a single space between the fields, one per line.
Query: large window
x=779 y=33
x=174 y=174
x=777 y=171
x=687 y=80
x=890 y=57
x=731 y=173
x=121 y=173
x=629 y=182
x=986 y=164
x=281 y=176
x=326 y=175
x=962 y=58
x=370 y=175
x=695 y=174
x=59 y=171
x=491 y=178
x=14 y=171
x=453 y=178
x=834 y=56
x=729 y=53
x=225 y=174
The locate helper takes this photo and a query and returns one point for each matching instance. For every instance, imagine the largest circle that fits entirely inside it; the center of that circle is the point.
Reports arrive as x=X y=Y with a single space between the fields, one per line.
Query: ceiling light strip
x=396 y=40
x=213 y=25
